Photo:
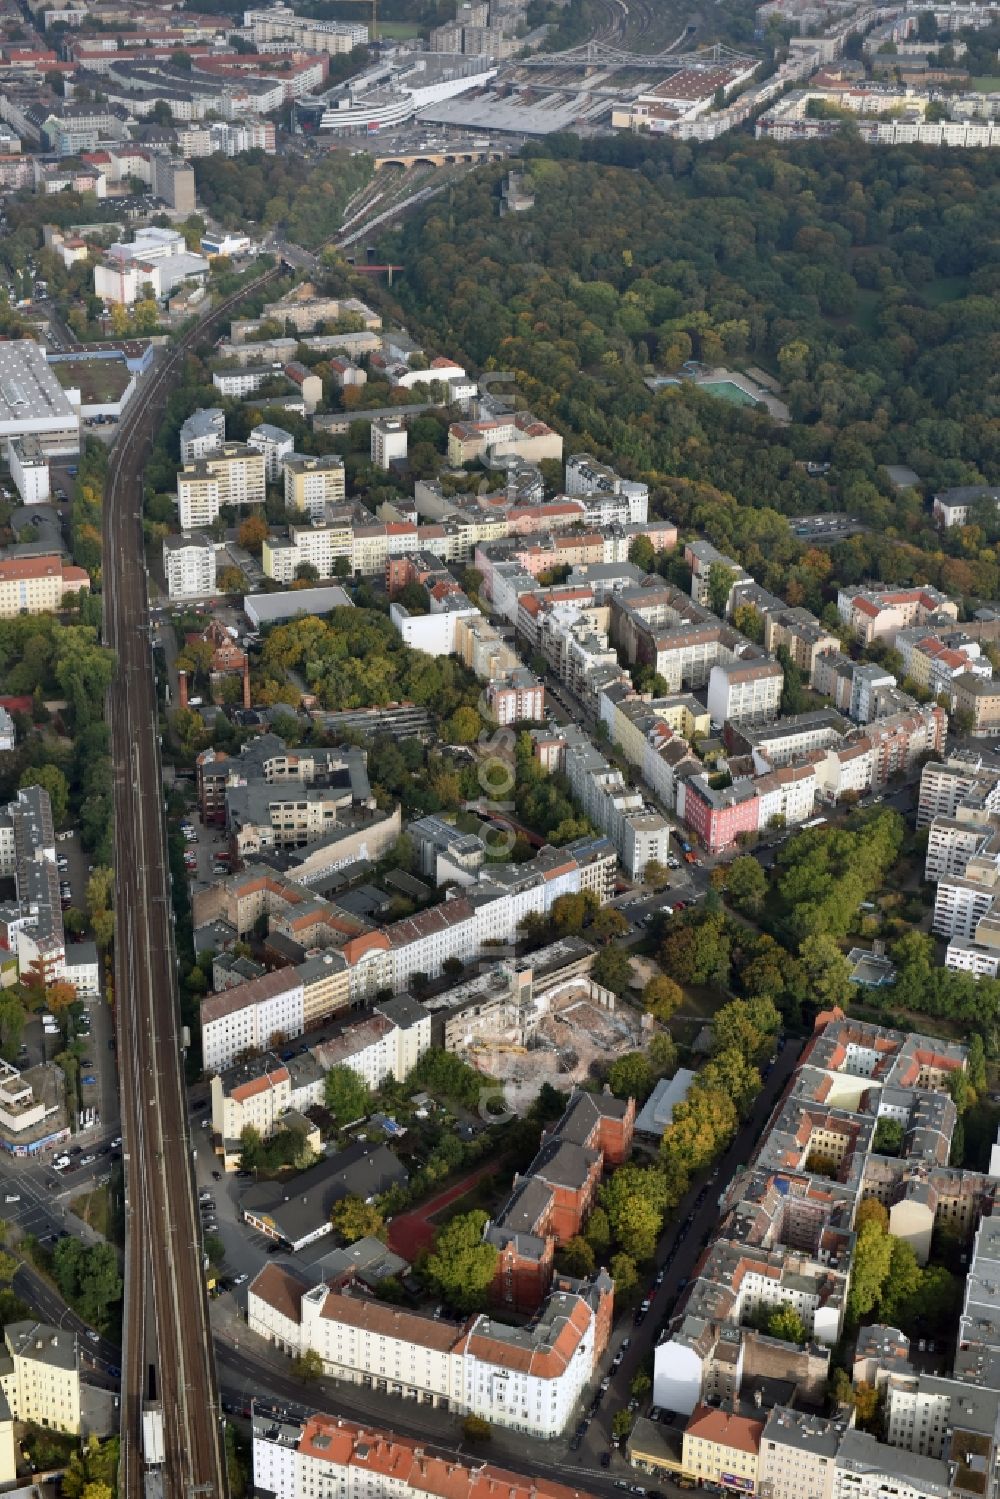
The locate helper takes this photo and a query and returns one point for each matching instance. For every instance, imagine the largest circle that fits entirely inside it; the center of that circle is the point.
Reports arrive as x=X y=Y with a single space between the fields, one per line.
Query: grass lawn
x=98 y=380
x=487 y=1193
x=97 y=1211
x=398 y=31
x=945 y=289
x=988 y=85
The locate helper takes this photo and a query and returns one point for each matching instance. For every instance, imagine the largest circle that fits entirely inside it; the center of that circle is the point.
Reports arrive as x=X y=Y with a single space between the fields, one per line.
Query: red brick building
x=227 y=660
x=551 y=1202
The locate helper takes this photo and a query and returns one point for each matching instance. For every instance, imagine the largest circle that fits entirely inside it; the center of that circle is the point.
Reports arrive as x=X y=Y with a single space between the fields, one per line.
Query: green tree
x=746 y=1026
x=353 y=1218
x=784 y=1322
x=901 y=1284
x=612 y=970
x=888 y=1137
x=730 y=1072
x=608 y=924
x=826 y=970
x=662 y=997
x=624 y=1273
x=637 y=1228
x=634 y=1199
x=87 y=1276
x=631 y=1076
x=214 y=1248
x=475 y=1429
x=720 y=583
x=569 y=912
x=52 y=780
x=576 y=1257
x=871 y=1211
x=697 y=950
x=597 y=1232
x=642 y=553
x=462 y=1265
x=621 y=1424
x=346 y=1095
x=702 y=1125
x=869 y=1268
x=661 y=1052
x=308 y=1366
x=746 y=885
x=251 y=1153
x=464 y=726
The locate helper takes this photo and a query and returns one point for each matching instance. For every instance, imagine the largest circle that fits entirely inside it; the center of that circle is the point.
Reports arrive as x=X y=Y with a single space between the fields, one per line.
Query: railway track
x=167 y=1348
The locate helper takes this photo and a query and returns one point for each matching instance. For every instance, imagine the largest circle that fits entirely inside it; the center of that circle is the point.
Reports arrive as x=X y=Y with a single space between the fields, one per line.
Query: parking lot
x=203 y=847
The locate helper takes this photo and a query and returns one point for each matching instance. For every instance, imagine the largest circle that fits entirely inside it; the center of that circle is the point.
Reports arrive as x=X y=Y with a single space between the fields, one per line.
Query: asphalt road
x=250 y=1368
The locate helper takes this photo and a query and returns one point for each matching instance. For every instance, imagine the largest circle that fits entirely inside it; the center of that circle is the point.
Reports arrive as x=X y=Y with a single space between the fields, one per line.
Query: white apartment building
x=876 y=613
x=638 y=831
x=40 y=1375
x=586 y=476
x=251 y=1017
x=786 y=795
x=961 y=903
x=944 y=785
x=278 y=24
x=528 y=1379
x=232 y=476
x=376 y=1046
x=245 y=380
x=849 y=767
x=388 y=441
x=951 y=507
x=745 y=692
x=970 y=957
x=203 y=433
x=328 y=1457
x=189 y=565
x=29 y=469
x=951 y=843
x=702 y=557
x=923 y=1411
x=798 y=1452
x=433 y=633
x=276 y=444
x=37 y=585
x=320 y=544
x=312 y=483
x=869 y=1469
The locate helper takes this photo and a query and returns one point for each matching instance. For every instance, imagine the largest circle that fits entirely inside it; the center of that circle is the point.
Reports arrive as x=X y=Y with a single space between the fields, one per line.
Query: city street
x=249 y=1366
